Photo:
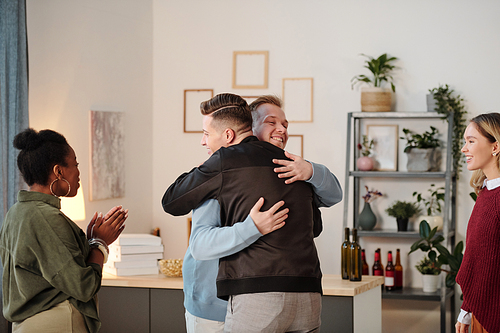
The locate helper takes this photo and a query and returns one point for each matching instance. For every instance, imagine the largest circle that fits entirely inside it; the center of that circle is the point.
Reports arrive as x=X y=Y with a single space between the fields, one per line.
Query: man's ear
x=230 y=135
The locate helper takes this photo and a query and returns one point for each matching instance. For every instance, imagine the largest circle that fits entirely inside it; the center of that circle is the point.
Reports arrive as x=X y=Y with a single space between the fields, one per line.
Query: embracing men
x=273 y=278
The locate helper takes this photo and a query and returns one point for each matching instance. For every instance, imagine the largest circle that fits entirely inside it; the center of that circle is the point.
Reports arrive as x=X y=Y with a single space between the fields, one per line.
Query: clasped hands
x=109 y=226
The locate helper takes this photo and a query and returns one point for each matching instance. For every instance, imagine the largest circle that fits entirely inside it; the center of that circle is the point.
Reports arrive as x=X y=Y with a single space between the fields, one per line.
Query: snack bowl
x=171 y=267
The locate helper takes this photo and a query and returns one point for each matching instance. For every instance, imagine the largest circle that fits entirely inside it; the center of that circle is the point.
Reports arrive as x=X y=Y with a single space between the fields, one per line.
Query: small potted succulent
x=402 y=211
x=422 y=150
x=376 y=98
x=365 y=162
x=433 y=205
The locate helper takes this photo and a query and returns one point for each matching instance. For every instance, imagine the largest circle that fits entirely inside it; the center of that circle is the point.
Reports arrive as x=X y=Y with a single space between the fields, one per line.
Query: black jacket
x=284 y=260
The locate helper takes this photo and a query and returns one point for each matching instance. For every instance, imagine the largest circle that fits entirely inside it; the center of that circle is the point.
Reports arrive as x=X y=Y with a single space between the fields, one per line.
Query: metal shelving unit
x=354 y=121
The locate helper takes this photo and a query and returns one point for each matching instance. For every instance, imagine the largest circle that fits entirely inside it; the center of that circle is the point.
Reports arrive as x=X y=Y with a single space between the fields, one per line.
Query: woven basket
x=376 y=100
x=171 y=267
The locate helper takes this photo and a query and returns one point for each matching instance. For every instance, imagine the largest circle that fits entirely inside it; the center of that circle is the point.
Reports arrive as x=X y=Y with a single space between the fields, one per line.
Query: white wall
x=437 y=42
x=96 y=55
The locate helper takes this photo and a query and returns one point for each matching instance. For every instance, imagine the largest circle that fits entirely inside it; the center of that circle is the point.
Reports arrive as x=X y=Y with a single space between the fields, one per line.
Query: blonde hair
x=488 y=124
x=264 y=99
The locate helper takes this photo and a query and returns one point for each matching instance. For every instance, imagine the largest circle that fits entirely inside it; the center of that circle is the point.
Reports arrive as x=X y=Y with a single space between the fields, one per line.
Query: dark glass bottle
x=355 y=260
x=389 y=273
x=377 y=268
x=345 y=265
x=365 y=264
x=398 y=275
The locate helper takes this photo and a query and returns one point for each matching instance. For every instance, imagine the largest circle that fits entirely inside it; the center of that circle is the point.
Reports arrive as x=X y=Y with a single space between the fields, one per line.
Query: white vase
x=433 y=220
x=430 y=282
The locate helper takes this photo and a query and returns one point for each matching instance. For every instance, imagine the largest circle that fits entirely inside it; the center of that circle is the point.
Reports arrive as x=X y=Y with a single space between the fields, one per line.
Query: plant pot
x=402 y=224
x=367 y=219
x=423 y=159
x=430 y=283
x=364 y=163
x=376 y=99
x=433 y=220
x=431 y=103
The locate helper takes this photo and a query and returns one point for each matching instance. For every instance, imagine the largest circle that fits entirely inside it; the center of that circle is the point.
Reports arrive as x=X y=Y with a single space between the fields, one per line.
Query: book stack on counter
x=134 y=254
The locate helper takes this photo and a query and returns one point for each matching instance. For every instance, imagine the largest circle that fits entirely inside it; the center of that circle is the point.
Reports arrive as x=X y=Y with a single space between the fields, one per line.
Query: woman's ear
x=57 y=170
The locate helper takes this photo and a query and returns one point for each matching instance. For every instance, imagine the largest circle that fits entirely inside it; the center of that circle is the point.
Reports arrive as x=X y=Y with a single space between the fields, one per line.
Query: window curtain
x=13 y=102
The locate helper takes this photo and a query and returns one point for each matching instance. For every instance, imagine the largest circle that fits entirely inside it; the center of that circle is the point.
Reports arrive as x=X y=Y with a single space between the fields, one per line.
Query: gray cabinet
x=353 y=176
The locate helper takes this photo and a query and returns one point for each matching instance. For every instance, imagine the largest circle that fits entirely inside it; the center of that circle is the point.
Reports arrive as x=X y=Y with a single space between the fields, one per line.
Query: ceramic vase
x=433 y=220
x=402 y=224
x=430 y=283
x=367 y=219
x=364 y=163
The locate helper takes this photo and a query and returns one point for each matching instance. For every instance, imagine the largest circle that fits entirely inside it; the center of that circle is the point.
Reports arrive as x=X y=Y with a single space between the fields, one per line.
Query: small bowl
x=171 y=267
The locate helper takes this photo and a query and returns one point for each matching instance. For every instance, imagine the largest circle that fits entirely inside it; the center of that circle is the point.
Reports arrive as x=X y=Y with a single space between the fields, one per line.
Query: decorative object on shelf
x=447 y=103
x=430 y=243
x=376 y=99
x=422 y=150
x=385 y=150
x=171 y=267
x=365 y=162
x=402 y=211
x=367 y=219
x=432 y=206
x=430 y=275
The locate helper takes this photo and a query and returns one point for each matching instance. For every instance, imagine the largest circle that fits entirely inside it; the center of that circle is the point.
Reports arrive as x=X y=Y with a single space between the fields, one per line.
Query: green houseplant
x=446 y=102
x=402 y=211
x=422 y=150
x=432 y=206
x=365 y=162
x=376 y=98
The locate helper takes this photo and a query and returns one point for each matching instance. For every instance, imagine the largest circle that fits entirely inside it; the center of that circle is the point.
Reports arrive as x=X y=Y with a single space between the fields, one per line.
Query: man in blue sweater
x=209 y=242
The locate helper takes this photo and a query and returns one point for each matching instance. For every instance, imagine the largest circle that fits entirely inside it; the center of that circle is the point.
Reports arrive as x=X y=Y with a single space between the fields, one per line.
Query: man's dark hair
x=228 y=111
x=40 y=151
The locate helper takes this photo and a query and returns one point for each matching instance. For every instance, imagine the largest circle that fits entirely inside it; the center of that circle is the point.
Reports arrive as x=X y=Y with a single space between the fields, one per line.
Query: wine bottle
x=389 y=273
x=355 y=260
x=345 y=255
x=377 y=266
x=398 y=275
x=365 y=264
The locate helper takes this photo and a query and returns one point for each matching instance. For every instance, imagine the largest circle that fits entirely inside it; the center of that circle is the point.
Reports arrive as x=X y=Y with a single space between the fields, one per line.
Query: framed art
x=295 y=144
x=107 y=150
x=192 y=114
x=249 y=99
x=385 y=148
x=250 y=69
x=298 y=99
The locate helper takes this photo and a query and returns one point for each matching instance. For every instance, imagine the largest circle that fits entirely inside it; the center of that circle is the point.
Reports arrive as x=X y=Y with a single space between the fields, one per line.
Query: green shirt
x=43 y=254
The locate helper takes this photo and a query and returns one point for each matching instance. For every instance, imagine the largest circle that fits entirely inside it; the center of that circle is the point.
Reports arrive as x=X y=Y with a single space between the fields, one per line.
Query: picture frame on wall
x=295 y=144
x=385 y=148
x=192 y=114
x=250 y=69
x=250 y=99
x=297 y=94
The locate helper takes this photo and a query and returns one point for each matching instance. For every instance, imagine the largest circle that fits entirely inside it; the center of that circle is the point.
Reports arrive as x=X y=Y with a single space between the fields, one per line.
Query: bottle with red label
x=398 y=275
x=377 y=268
x=389 y=273
x=365 y=264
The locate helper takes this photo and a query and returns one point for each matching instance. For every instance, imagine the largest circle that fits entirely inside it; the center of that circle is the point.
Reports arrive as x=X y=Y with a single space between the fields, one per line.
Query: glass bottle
x=345 y=265
x=377 y=268
x=365 y=264
x=355 y=260
x=389 y=273
x=398 y=275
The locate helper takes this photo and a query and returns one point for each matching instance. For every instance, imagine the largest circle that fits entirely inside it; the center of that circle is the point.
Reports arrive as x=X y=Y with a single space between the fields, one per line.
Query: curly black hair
x=40 y=151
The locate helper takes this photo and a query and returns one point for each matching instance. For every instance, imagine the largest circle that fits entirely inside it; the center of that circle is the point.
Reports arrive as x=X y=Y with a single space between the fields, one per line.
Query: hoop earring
x=51 y=184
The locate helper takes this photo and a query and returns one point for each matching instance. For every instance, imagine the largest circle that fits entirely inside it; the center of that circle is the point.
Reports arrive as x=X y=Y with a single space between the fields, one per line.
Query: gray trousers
x=274 y=312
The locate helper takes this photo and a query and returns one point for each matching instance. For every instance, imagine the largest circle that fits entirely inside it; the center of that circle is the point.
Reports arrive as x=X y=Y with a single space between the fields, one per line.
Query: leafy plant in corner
x=402 y=209
x=381 y=68
x=366 y=146
x=431 y=243
x=424 y=140
x=433 y=203
x=446 y=104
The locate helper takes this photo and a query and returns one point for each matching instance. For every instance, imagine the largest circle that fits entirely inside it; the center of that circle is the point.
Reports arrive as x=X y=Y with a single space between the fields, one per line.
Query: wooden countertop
x=333 y=285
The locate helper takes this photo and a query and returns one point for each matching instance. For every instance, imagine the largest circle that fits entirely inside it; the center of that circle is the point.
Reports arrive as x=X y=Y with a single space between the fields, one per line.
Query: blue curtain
x=13 y=95
x=13 y=102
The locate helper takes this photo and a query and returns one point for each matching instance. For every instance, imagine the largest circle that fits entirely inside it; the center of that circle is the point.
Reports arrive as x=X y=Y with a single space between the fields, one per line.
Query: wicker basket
x=376 y=100
x=171 y=267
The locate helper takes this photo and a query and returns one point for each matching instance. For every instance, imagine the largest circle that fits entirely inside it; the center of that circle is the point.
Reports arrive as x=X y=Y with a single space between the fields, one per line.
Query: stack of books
x=134 y=254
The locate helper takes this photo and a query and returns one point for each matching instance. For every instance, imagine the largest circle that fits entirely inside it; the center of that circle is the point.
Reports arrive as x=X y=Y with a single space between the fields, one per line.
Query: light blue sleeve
x=210 y=241
x=325 y=185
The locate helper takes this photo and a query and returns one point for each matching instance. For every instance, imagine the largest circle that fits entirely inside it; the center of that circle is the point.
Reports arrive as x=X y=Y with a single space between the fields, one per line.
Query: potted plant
x=432 y=206
x=422 y=150
x=367 y=219
x=365 y=162
x=431 y=265
x=445 y=103
x=376 y=98
x=402 y=211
